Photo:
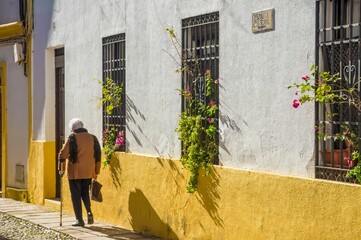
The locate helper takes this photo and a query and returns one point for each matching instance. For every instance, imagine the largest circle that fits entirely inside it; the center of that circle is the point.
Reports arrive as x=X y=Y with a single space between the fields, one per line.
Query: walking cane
x=61 y=202
x=61 y=173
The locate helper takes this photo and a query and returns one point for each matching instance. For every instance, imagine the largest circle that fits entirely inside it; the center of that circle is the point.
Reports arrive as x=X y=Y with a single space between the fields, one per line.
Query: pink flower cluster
x=351 y=163
x=120 y=139
x=296 y=103
x=305 y=78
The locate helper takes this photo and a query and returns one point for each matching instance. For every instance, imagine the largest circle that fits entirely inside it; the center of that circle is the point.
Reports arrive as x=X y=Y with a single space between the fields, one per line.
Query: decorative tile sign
x=263 y=20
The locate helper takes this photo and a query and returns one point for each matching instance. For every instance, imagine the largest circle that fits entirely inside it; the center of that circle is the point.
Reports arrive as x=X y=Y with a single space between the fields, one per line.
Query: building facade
x=15 y=92
x=263 y=184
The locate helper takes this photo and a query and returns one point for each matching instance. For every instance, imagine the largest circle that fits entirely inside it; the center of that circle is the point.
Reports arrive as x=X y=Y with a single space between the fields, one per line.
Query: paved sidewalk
x=50 y=219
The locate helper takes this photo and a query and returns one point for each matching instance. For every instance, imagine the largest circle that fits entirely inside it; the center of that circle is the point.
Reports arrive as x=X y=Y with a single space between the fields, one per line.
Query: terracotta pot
x=336 y=158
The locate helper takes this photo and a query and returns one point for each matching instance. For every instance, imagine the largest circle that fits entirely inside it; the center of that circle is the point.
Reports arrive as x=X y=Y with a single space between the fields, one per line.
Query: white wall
x=42 y=25
x=17 y=116
x=259 y=128
x=9 y=11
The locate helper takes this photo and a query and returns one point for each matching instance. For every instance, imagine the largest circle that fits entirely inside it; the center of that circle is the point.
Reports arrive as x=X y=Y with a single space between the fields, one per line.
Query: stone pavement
x=50 y=219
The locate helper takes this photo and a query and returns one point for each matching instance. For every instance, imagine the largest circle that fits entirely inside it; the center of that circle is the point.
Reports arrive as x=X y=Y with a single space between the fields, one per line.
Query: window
x=200 y=51
x=114 y=68
x=338 y=27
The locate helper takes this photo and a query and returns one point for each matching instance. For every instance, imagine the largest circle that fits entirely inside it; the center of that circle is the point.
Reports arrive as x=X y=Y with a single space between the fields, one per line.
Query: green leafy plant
x=197 y=130
x=112 y=95
x=197 y=126
x=111 y=99
x=327 y=88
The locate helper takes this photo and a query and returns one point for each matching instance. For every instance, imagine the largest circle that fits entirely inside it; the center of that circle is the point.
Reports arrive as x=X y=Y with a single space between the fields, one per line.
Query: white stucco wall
x=42 y=25
x=17 y=116
x=9 y=11
x=259 y=128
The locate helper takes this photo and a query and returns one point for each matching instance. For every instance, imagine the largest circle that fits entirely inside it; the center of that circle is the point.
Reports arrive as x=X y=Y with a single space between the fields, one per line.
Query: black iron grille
x=114 y=68
x=200 y=52
x=338 y=27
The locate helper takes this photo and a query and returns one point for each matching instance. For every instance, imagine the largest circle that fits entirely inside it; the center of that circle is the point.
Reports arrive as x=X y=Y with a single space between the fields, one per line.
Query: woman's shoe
x=78 y=223
x=90 y=218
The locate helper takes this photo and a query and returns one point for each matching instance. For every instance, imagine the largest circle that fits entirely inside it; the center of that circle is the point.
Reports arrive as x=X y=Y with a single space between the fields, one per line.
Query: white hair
x=75 y=124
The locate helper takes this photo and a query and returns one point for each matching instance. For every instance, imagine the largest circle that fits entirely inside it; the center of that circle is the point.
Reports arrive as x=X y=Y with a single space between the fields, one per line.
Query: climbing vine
x=112 y=95
x=111 y=99
x=197 y=126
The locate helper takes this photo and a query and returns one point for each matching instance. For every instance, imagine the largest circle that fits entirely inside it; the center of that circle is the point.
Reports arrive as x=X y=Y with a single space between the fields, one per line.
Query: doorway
x=59 y=109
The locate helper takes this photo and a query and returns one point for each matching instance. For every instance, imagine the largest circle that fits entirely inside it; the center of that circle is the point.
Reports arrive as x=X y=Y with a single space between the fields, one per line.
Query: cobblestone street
x=15 y=229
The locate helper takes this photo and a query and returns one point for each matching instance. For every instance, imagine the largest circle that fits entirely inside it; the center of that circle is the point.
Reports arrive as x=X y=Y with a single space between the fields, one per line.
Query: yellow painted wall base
x=149 y=195
x=42 y=163
x=18 y=194
x=52 y=204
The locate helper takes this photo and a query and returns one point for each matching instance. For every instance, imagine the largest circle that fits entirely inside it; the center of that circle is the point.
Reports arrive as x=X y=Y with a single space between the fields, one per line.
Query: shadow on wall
x=144 y=218
x=131 y=110
x=209 y=195
x=229 y=123
x=115 y=171
x=173 y=174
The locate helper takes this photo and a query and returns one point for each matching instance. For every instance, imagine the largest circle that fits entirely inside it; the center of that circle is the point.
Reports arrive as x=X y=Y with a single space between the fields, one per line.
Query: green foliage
x=112 y=141
x=109 y=138
x=112 y=95
x=331 y=89
x=197 y=130
x=111 y=99
x=197 y=126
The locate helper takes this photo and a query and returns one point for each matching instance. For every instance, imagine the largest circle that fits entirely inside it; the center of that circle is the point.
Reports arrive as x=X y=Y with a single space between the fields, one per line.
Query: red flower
x=296 y=103
x=212 y=103
x=305 y=78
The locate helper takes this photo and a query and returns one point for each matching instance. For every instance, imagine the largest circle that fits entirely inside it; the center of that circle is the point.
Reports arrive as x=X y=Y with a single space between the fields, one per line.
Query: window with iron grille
x=114 y=68
x=338 y=27
x=200 y=52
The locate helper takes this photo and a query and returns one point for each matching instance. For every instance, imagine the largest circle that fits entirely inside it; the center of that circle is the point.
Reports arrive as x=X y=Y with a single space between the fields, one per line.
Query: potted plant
x=332 y=91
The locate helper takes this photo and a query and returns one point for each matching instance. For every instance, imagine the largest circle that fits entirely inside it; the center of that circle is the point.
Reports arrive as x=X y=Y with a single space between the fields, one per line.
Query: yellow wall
x=41 y=175
x=148 y=195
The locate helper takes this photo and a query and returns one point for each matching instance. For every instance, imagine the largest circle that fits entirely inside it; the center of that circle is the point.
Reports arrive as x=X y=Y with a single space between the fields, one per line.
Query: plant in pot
x=333 y=91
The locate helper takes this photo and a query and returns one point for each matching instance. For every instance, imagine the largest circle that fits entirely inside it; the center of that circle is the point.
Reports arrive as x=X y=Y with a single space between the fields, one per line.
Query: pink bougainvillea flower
x=296 y=103
x=210 y=120
x=119 y=141
x=121 y=134
x=212 y=103
x=305 y=77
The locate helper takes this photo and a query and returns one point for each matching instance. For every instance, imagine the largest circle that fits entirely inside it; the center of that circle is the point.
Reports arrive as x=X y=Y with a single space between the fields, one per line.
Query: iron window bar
x=200 y=51
x=338 y=28
x=114 y=67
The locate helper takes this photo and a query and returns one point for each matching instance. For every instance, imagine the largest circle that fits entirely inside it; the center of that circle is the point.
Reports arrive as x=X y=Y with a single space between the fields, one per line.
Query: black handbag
x=95 y=193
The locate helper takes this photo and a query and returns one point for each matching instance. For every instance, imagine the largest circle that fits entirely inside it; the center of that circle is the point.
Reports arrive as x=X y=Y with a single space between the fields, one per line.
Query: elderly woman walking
x=83 y=154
